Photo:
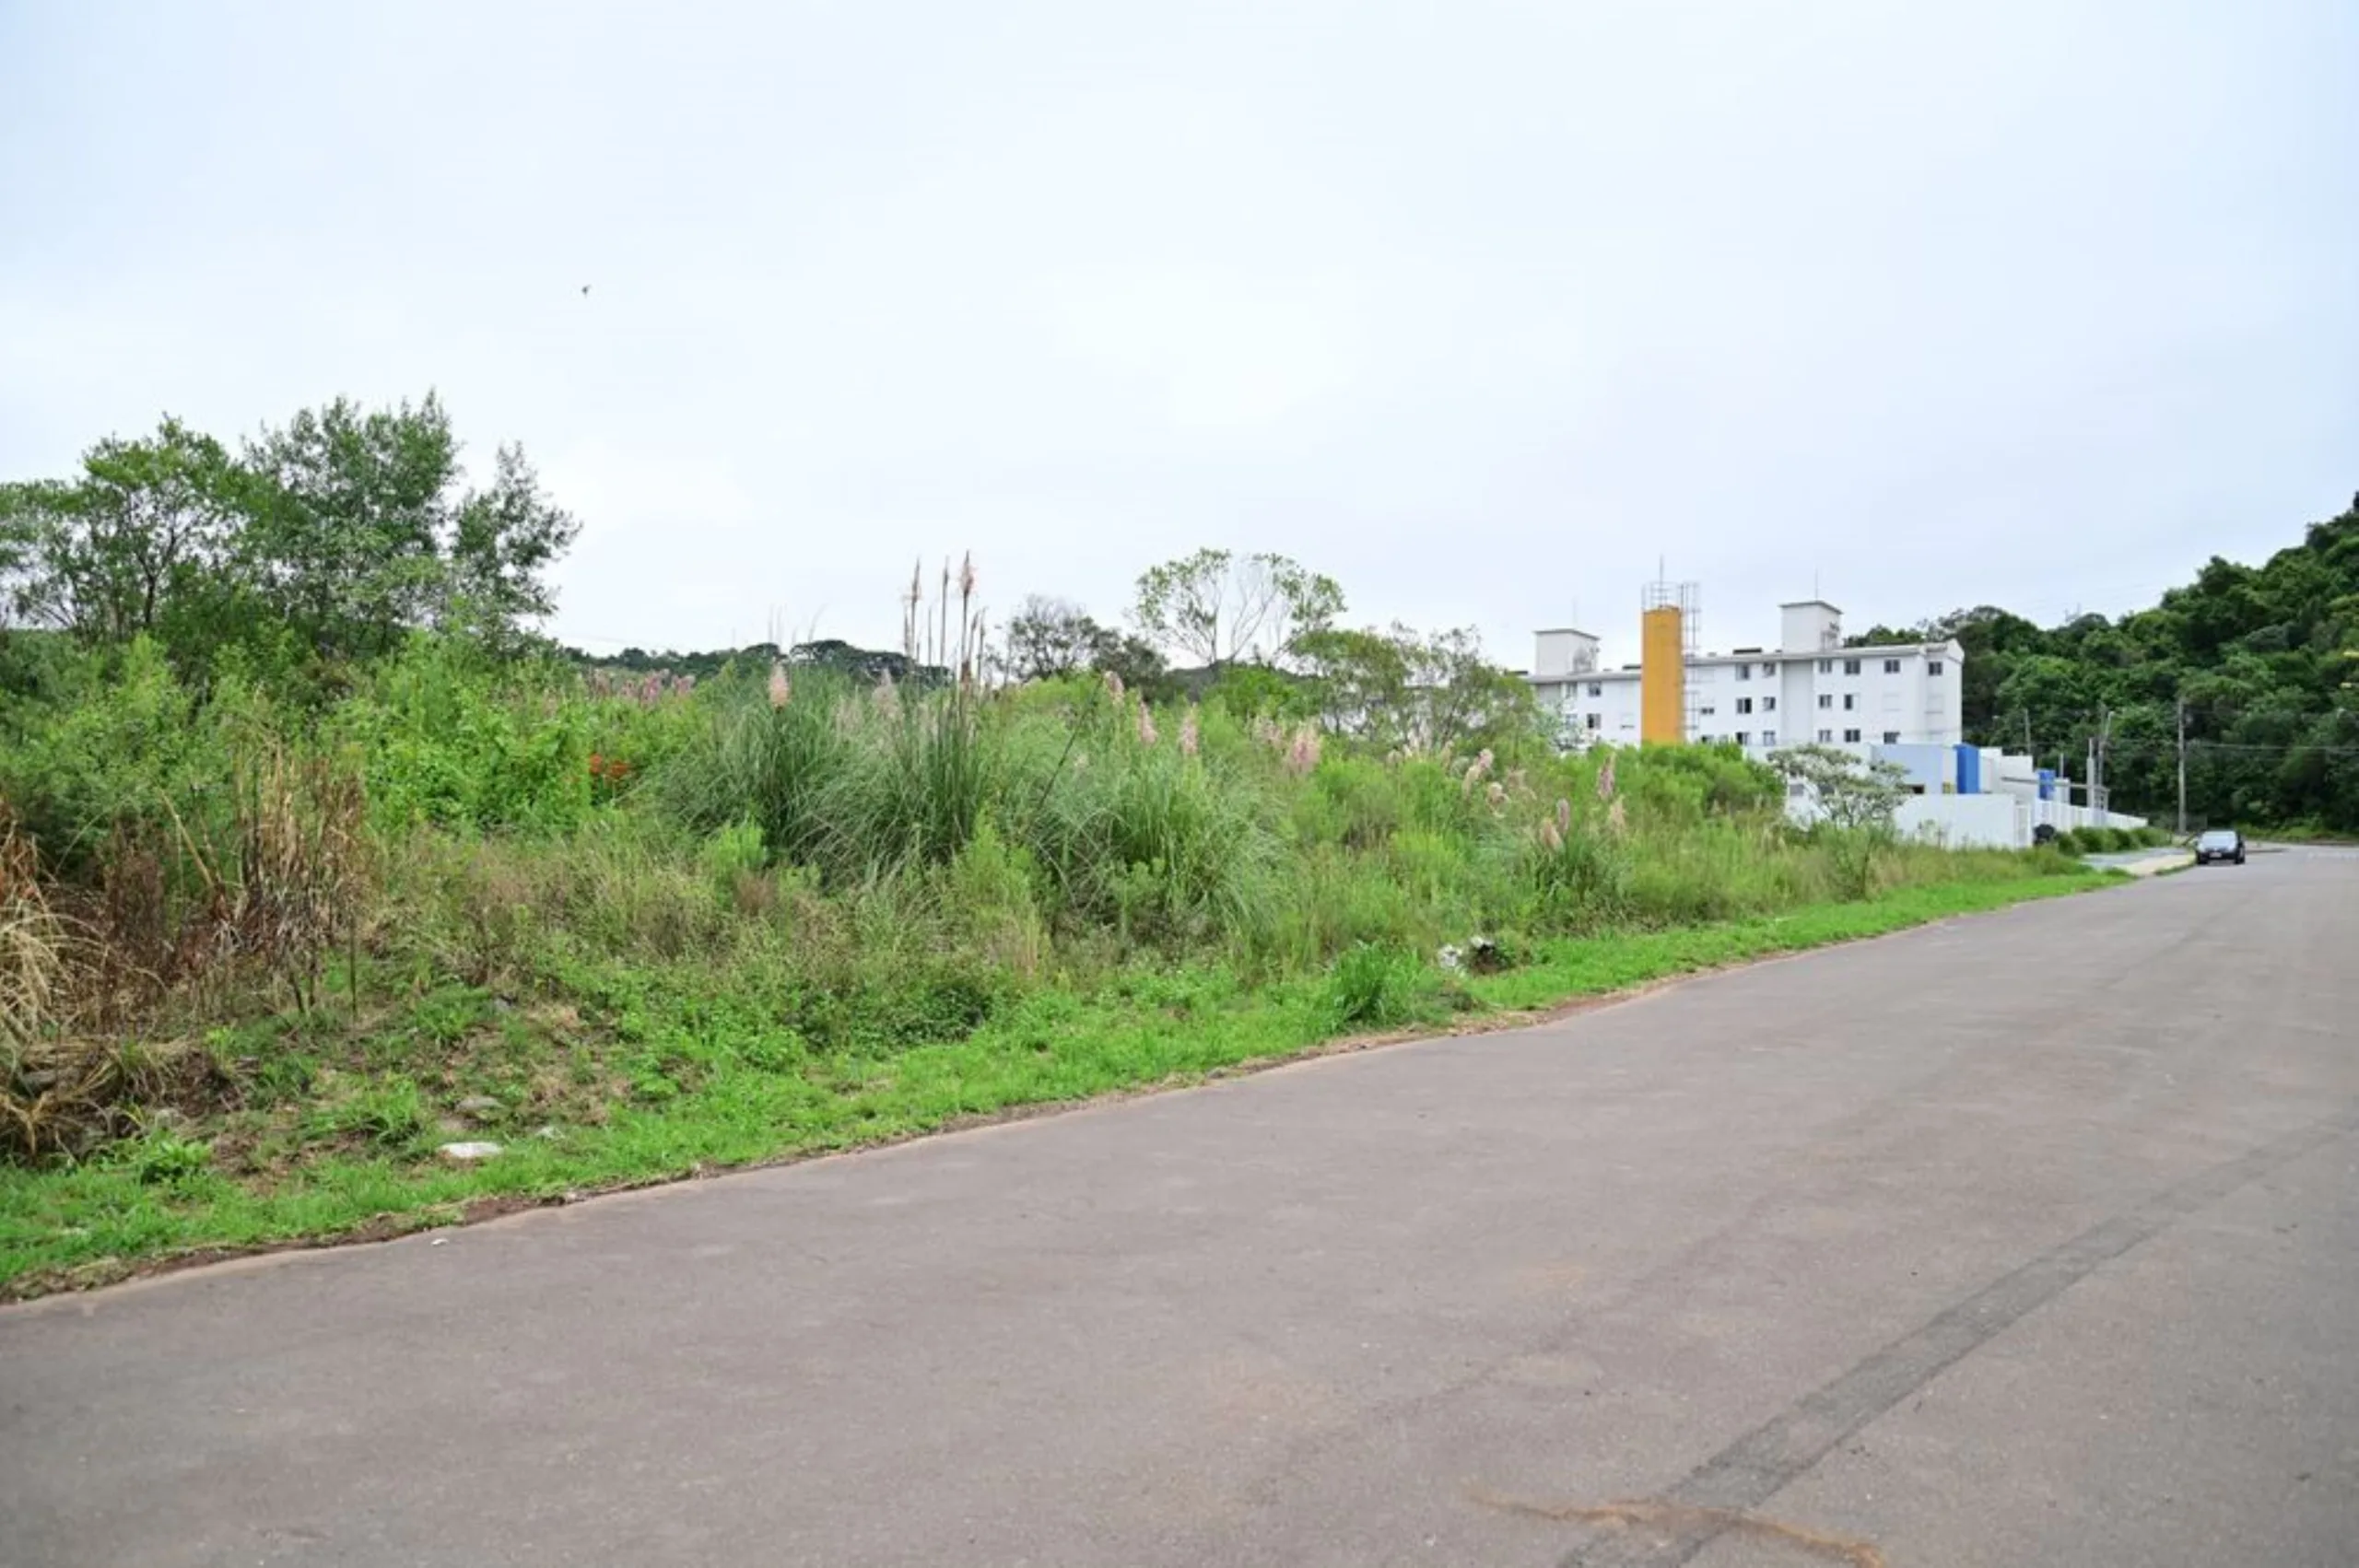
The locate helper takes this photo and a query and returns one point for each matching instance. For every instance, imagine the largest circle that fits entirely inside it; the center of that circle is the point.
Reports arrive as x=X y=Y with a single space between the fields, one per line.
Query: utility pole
x=2182 y=767
x=2105 y=738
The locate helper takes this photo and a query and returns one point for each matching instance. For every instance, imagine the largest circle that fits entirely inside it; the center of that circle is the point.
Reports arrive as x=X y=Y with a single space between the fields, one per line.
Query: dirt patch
x=1678 y=1524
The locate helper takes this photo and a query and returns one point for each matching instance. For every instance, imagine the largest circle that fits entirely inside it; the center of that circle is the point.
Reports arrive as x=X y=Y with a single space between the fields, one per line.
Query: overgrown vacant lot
x=272 y=957
x=316 y=863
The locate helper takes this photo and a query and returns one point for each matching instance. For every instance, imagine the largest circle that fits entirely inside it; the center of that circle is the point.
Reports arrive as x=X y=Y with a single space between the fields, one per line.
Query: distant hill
x=830 y=653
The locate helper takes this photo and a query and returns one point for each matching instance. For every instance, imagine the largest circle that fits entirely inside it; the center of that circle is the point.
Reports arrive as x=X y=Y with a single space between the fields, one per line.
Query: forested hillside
x=2266 y=660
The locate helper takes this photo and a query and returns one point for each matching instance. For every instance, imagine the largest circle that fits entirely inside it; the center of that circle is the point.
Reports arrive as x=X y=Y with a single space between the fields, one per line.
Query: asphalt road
x=2032 y=1239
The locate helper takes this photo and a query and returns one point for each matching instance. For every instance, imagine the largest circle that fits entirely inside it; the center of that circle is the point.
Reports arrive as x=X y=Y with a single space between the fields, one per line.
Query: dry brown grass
x=302 y=868
x=175 y=923
x=55 y=1088
x=32 y=944
x=284 y=892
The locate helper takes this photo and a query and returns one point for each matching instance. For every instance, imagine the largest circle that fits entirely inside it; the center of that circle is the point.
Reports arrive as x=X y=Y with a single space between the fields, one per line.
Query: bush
x=1372 y=988
x=125 y=748
x=1135 y=835
x=447 y=738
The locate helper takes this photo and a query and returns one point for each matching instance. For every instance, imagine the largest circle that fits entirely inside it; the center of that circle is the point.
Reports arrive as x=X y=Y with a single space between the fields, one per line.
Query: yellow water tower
x=1667 y=623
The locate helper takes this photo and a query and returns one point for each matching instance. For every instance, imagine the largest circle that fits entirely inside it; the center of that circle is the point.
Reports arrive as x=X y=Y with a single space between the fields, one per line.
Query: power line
x=2160 y=748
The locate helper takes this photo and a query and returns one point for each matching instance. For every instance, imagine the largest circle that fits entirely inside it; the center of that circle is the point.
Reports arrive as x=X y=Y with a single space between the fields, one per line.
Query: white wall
x=1811 y=627
x=1966 y=822
x=1982 y=822
x=1562 y=653
x=1932 y=767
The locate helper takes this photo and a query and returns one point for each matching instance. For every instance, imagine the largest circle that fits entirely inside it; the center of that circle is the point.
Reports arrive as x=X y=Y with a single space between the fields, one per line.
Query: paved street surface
x=2030 y=1239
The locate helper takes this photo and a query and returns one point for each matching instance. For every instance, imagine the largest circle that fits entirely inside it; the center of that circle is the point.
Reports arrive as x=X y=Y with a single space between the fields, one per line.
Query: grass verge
x=87 y=1224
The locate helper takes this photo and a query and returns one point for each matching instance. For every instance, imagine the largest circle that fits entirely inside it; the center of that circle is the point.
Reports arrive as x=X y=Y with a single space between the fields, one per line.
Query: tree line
x=319 y=542
x=1258 y=633
x=2260 y=663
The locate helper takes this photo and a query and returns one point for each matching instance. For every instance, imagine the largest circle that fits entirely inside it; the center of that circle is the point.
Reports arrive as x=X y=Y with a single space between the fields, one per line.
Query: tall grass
x=617 y=878
x=32 y=945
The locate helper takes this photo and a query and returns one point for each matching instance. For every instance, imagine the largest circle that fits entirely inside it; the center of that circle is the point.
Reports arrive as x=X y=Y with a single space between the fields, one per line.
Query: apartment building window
x=1594 y=722
x=1744 y=705
x=1826 y=666
x=1597 y=688
x=1851 y=666
x=1850 y=702
x=1892 y=737
x=1745 y=672
x=1768 y=737
x=1745 y=737
x=1706 y=710
x=1826 y=699
x=1932 y=666
x=1852 y=736
x=1892 y=666
x=1768 y=671
x=1826 y=735
x=1768 y=705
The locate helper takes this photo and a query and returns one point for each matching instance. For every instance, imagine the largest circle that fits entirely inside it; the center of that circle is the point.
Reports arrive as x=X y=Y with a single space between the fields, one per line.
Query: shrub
x=448 y=739
x=1163 y=847
x=125 y=747
x=1583 y=874
x=777 y=764
x=1372 y=988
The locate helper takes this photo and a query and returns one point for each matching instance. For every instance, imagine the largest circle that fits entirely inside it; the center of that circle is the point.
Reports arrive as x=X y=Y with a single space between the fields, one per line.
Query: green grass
x=714 y=1085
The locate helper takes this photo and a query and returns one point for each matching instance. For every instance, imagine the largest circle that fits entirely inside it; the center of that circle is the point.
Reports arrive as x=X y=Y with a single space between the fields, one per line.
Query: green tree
x=339 y=534
x=1361 y=678
x=1048 y=638
x=1406 y=688
x=1219 y=608
x=503 y=540
x=1853 y=804
x=348 y=533
x=1139 y=666
x=1846 y=793
x=144 y=541
x=362 y=530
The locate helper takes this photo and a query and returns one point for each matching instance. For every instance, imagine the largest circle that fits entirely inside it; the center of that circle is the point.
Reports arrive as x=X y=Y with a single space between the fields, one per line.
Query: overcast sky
x=1480 y=307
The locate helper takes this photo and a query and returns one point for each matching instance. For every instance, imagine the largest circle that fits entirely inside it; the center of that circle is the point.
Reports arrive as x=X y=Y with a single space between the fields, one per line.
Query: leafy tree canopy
x=2260 y=655
x=327 y=540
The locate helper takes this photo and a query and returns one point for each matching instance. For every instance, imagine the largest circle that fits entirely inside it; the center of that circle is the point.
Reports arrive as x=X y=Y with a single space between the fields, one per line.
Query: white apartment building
x=1810 y=688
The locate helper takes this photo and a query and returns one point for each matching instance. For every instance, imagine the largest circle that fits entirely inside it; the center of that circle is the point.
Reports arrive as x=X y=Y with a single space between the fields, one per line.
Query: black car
x=2220 y=844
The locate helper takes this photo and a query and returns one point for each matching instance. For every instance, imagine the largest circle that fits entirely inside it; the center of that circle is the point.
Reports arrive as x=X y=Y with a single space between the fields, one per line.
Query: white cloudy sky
x=1480 y=306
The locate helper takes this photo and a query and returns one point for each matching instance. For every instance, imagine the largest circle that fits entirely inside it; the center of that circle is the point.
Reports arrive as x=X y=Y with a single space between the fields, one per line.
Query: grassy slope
x=88 y=1224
